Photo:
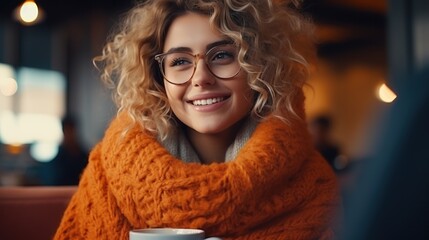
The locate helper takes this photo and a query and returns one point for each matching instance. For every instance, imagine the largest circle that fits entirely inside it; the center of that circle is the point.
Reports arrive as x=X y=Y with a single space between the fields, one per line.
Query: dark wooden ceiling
x=59 y=11
x=340 y=23
x=332 y=11
x=348 y=25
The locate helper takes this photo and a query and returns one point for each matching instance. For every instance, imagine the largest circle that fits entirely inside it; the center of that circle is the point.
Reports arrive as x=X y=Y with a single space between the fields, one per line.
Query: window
x=32 y=114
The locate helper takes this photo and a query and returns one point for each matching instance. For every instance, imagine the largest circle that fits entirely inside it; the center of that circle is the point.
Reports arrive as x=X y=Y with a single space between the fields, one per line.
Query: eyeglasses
x=179 y=67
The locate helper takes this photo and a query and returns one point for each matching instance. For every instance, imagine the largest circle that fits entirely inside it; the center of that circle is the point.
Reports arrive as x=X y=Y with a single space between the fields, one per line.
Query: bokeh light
x=29 y=11
x=385 y=94
x=8 y=86
x=44 y=151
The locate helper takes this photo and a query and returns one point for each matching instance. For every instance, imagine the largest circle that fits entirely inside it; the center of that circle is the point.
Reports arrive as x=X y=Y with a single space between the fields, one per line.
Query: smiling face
x=205 y=103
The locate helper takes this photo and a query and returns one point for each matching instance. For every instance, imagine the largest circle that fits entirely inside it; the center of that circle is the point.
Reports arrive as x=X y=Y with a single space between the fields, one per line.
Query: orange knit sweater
x=278 y=187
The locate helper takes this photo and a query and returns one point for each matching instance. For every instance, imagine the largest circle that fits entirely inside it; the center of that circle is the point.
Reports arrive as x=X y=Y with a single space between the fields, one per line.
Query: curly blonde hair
x=274 y=51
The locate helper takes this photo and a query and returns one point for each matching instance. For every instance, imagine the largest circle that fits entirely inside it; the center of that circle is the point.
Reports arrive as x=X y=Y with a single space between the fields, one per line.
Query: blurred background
x=46 y=76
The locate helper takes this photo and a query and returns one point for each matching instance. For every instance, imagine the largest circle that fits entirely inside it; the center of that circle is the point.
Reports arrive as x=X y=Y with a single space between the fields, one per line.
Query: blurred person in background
x=211 y=129
x=68 y=164
x=321 y=130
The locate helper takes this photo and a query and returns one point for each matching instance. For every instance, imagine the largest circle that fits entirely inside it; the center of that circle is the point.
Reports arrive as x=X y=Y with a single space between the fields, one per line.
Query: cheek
x=174 y=94
x=171 y=99
x=170 y=91
x=248 y=96
x=245 y=89
x=249 y=99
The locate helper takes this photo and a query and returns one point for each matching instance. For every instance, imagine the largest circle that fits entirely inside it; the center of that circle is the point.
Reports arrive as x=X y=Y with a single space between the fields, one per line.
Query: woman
x=210 y=132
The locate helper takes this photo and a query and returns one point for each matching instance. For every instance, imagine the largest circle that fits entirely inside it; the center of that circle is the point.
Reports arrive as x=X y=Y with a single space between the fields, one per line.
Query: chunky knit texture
x=278 y=187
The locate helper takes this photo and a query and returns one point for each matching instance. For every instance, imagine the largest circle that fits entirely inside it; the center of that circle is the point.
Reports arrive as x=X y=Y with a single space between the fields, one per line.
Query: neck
x=212 y=147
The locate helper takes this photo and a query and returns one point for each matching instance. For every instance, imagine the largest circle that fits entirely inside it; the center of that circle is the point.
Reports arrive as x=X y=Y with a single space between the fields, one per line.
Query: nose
x=202 y=75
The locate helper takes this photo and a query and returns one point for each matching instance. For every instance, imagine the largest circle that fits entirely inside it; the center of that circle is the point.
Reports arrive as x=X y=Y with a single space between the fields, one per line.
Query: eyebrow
x=208 y=47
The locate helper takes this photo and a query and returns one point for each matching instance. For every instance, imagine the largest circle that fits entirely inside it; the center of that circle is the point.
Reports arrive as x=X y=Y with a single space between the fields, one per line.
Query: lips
x=208 y=101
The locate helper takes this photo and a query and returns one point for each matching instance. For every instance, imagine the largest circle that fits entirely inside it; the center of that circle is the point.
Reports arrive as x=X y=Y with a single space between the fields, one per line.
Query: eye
x=179 y=61
x=222 y=57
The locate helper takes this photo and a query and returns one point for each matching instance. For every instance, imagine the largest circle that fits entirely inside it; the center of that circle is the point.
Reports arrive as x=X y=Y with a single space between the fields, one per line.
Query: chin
x=208 y=130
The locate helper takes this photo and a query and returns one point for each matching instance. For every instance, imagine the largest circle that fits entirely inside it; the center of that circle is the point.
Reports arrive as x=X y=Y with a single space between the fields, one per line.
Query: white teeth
x=203 y=102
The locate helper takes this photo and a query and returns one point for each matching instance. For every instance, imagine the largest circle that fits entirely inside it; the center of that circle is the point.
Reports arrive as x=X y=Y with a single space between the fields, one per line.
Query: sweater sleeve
x=92 y=212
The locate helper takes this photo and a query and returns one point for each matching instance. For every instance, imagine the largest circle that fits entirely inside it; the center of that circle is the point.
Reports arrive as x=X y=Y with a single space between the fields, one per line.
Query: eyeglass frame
x=160 y=59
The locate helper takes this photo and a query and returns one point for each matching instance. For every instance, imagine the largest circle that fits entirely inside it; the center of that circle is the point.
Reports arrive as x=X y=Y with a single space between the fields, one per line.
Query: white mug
x=169 y=234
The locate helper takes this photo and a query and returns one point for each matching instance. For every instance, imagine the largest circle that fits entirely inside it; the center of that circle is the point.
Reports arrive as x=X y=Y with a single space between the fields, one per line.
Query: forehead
x=191 y=30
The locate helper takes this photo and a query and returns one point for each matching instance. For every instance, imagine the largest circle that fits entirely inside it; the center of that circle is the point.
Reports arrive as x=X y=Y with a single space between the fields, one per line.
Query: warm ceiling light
x=385 y=94
x=28 y=13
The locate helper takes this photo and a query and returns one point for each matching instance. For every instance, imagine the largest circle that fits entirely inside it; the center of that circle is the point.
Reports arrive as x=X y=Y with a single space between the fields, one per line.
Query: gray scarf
x=179 y=146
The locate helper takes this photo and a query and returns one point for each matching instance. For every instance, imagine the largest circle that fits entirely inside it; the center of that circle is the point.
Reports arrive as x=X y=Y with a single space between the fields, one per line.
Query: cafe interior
x=368 y=86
